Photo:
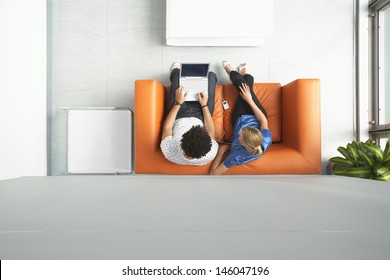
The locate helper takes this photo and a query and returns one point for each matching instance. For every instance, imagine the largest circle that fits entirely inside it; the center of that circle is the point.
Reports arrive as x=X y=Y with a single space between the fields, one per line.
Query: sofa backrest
x=269 y=95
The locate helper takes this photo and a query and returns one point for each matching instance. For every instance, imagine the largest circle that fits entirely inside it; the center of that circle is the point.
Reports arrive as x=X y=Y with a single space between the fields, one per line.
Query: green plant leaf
x=361 y=147
x=344 y=152
x=359 y=172
x=382 y=171
x=354 y=145
x=352 y=151
x=377 y=152
x=368 y=161
x=383 y=178
x=341 y=161
x=386 y=153
x=369 y=142
x=386 y=163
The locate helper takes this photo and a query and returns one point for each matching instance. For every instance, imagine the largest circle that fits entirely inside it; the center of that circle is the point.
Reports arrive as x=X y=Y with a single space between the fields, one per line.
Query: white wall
x=22 y=88
x=101 y=47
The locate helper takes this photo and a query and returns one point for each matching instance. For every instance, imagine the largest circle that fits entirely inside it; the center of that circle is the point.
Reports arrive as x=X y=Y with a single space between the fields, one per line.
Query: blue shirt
x=238 y=154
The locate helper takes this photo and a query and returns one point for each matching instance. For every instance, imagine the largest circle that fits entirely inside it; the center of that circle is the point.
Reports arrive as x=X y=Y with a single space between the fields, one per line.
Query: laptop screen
x=194 y=70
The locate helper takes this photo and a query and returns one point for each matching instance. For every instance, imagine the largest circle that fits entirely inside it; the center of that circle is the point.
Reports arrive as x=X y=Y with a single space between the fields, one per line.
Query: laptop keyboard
x=194 y=86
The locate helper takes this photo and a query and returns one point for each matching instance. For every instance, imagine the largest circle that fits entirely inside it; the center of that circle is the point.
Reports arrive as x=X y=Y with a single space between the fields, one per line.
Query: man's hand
x=203 y=98
x=179 y=96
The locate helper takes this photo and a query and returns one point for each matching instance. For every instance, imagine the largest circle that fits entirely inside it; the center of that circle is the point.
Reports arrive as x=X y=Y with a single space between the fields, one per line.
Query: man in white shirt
x=188 y=135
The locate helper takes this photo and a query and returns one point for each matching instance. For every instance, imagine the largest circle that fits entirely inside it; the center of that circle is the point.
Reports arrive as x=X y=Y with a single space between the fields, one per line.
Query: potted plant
x=363 y=160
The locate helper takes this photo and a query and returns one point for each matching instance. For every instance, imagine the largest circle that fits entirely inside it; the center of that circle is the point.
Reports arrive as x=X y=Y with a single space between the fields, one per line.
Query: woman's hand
x=246 y=93
x=179 y=96
x=203 y=98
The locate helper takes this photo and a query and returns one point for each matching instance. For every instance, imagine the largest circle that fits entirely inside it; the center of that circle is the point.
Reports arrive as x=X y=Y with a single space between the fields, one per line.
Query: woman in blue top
x=251 y=137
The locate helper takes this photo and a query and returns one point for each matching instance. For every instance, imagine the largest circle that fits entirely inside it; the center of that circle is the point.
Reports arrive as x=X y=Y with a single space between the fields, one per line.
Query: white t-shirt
x=171 y=145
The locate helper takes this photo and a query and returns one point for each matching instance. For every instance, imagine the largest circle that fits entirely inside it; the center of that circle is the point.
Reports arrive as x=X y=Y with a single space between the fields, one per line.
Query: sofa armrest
x=301 y=119
x=148 y=120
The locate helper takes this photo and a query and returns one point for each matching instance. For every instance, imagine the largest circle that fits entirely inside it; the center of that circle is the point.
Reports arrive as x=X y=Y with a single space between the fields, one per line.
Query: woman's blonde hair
x=253 y=139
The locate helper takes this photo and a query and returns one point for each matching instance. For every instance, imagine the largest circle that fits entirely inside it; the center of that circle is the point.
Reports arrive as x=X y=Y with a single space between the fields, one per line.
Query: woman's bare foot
x=242 y=69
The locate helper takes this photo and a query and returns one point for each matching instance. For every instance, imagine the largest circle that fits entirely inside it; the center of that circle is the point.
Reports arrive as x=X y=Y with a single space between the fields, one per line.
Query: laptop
x=193 y=78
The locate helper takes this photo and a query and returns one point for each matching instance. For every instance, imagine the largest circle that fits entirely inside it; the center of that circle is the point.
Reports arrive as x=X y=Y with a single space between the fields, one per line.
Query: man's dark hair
x=196 y=142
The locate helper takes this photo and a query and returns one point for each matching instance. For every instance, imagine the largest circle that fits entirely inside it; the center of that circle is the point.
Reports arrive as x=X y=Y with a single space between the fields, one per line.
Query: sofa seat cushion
x=270 y=96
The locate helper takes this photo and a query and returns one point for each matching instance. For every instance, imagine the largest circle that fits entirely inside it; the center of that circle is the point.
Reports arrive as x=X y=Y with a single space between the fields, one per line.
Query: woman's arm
x=247 y=96
x=218 y=168
x=170 y=119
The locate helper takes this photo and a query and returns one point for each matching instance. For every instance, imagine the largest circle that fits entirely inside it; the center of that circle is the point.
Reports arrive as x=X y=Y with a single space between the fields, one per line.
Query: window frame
x=376 y=130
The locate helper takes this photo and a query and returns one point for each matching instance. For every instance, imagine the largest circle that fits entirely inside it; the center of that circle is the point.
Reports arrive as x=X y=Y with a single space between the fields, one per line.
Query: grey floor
x=194 y=217
x=97 y=49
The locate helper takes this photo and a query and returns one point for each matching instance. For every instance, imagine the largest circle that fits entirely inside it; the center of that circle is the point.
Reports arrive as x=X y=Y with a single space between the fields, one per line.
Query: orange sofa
x=293 y=116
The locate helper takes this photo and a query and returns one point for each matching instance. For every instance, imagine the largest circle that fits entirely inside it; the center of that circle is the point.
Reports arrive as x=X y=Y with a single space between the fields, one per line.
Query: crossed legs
x=241 y=107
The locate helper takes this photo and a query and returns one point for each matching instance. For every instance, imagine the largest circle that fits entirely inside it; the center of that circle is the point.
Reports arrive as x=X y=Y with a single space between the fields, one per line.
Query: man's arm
x=246 y=95
x=218 y=168
x=170 y=119
x=207 y=118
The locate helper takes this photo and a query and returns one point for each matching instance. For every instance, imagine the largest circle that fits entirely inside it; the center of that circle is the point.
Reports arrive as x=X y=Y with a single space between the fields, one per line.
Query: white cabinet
x=99 y=140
